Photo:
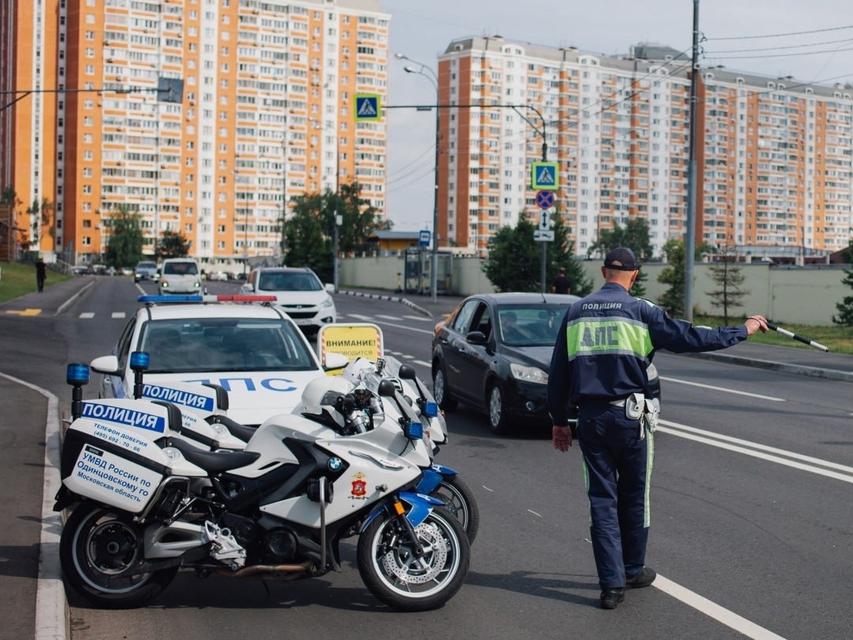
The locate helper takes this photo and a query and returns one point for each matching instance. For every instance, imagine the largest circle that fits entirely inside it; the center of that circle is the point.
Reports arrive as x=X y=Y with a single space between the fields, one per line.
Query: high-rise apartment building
x=201 y=115
x=773 y=155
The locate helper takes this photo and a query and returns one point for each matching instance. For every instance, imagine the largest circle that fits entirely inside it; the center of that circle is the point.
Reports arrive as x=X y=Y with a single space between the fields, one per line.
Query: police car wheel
x=498 y=419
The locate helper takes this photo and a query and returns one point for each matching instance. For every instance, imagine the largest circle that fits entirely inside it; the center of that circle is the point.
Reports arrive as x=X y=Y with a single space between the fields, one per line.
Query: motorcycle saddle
x=214 y=461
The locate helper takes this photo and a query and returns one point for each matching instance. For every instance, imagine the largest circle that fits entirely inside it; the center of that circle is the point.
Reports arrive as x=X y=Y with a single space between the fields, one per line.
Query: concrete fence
x=786 y=295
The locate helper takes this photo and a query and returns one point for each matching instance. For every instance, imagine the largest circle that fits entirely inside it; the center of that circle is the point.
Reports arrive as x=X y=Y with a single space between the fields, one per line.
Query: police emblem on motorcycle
x=359 y=486
x=334 y=464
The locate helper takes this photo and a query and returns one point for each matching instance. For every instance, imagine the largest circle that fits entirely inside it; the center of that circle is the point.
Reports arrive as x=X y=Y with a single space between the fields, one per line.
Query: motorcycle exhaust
x=254 y=570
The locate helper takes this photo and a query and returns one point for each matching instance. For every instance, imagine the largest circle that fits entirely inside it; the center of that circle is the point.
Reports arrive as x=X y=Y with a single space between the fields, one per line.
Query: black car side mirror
x=477 y=338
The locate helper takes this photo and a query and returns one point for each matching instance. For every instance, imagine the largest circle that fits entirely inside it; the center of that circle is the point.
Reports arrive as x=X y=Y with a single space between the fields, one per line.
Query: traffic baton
x=794 y=336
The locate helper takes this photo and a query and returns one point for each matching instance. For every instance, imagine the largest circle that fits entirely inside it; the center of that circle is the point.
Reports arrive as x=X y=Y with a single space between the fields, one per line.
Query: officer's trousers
x=617 y=470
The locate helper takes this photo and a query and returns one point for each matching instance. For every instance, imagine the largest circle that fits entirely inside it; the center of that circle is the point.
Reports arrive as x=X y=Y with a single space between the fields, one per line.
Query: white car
x=255 y=352
x=179 y=275
x=299 y=293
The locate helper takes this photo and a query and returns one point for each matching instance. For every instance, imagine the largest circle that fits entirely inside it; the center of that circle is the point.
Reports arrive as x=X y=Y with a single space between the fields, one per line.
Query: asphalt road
x=751 y=513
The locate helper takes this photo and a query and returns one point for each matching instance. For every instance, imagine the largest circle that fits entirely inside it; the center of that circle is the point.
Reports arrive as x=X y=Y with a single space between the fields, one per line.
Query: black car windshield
x=180 y=269
x=533 y=325
x=146 y=265
x=224 y=344
x=283 y=281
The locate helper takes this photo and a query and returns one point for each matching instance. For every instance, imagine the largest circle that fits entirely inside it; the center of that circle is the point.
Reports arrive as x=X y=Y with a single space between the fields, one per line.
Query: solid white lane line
x=421 y=318
x=87 y=315
x=400 y=326
x=715 y=611
x=428 y=365
x=395 y=318
x=118 y=314
x=358 y=316
x=708 y=386
x=716 y=440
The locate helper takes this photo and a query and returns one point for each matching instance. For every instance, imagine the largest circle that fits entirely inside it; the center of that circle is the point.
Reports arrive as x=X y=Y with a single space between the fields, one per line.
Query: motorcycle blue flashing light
x=414 y=431
x=430 y=409
x=139 y=360
x=77 y=374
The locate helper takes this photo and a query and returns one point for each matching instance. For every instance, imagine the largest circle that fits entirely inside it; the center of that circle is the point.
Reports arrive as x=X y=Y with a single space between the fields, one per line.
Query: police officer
x=604 y=345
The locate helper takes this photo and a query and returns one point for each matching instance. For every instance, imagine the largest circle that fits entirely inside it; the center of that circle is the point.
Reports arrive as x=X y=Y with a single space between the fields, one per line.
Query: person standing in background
x=41 y=273
x=561 y=283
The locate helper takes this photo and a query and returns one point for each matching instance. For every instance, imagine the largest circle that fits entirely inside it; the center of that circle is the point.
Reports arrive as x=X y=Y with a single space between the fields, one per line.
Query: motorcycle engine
x=280 y=545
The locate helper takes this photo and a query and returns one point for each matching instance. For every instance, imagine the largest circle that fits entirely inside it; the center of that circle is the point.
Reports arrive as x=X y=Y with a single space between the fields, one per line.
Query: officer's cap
x=621 y=259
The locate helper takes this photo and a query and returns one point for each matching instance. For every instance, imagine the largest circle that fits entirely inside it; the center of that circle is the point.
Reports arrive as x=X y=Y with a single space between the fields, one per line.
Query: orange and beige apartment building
x=204 y=116
x=773 y=155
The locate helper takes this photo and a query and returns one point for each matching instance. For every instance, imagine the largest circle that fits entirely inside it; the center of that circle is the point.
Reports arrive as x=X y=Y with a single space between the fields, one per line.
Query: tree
x=845 y=307
x=124 y=248
x=172 y=244
x=729 y=278
x=561 y=254
x=514 y=262
x=672 y=301
x=634 y=235
x=359 y=218
x=307 y=244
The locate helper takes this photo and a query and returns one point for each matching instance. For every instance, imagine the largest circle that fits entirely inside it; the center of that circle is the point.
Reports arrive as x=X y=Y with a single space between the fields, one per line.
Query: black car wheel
x=496 y=404
x=439 y=388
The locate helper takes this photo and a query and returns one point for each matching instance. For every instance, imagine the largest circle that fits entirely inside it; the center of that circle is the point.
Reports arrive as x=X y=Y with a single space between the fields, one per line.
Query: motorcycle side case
x=111 y=455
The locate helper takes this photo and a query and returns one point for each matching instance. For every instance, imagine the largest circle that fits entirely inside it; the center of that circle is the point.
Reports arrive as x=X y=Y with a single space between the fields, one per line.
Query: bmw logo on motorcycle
x=334 y=464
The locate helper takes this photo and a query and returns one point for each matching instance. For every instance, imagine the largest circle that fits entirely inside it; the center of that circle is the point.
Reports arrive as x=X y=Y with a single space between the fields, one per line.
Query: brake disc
x=414 y=570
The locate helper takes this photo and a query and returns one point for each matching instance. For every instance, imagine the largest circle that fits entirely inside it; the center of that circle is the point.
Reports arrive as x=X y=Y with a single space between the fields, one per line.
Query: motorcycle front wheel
x=459 y=500
x=99 y=549
x=400 y=578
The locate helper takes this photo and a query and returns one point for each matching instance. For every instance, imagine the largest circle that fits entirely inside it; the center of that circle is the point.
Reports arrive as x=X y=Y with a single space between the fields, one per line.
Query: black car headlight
x=534 y=375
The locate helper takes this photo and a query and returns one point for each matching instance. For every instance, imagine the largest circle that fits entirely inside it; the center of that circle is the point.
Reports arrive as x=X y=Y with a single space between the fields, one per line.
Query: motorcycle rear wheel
x=98 y=545
x=395 y=576
x=460 y=501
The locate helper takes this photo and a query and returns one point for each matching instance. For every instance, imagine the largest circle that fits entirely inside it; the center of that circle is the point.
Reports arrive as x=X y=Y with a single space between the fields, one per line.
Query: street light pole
x=428 y=73
x=284 y=198
x=337 y=200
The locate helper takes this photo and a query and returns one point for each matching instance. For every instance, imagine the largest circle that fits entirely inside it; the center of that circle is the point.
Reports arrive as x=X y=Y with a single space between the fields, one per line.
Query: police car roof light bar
x=794 y=336
x=173 y=299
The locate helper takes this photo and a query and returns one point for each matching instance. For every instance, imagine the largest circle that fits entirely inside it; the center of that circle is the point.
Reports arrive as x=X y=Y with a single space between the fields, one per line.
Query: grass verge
x=17 y=279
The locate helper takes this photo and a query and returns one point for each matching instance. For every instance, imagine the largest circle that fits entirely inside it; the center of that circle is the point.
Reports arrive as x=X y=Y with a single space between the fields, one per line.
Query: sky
x=421 y=30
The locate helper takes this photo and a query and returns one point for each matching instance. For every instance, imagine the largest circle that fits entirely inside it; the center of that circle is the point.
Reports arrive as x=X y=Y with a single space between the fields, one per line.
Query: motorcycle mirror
x=407 y=372
x=387 y=388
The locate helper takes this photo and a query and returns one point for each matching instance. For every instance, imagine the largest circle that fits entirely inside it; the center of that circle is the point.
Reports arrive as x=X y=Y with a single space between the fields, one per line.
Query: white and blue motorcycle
x=146 y=504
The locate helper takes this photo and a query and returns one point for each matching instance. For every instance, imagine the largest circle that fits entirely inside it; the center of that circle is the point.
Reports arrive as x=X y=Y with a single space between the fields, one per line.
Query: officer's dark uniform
x=604 y=345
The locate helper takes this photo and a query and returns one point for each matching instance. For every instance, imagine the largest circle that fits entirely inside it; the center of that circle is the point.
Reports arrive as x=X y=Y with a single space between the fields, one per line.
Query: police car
x=255 y=352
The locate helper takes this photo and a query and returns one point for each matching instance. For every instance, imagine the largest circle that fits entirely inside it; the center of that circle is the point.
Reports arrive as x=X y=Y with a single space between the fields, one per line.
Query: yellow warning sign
x=357 y=340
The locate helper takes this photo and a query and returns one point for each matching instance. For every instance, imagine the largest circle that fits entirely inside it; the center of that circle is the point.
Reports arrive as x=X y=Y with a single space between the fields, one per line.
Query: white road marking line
x=487 y=489
x=358 y=316
x=534 y=513
x=118 y=314
x=395 y=318
x=708 y=386
x=87 y=315
x=421 y=318
x=423 y=364
x=400 y=326
x=713 y=610
x=720 y=441
x=408 y=357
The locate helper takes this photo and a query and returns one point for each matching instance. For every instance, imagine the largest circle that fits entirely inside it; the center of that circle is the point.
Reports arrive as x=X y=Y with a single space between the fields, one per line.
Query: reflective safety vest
x=607 y=341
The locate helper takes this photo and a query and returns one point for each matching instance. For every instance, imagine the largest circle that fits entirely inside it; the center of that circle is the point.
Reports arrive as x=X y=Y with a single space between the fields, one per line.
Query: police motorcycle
x=146 y=504
x=206 y=424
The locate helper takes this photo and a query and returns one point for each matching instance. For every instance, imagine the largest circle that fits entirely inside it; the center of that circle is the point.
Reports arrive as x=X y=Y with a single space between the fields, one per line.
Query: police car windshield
x=180 y=269
x=530 y=325
x=283 y=281
x=224 y=344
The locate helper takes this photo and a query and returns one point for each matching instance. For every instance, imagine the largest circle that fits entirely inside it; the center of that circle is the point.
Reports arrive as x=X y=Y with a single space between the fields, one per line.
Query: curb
x=65 y=304
x=51 y=614
x=798 y=369
x=379 y=296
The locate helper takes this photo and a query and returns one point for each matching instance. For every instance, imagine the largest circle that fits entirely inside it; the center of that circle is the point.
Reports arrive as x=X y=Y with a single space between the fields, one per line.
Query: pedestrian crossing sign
x=367 y=107
x=545 y=175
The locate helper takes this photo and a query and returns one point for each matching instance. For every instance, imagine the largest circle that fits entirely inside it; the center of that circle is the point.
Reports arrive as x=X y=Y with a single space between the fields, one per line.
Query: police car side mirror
x=106 y=365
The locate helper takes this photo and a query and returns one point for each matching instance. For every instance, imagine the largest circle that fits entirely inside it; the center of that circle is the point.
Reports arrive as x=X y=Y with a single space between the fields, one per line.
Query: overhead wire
x=781 y=35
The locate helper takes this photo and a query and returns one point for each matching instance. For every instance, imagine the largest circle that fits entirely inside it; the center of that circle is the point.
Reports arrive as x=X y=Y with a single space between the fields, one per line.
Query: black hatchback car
x=494 y=352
